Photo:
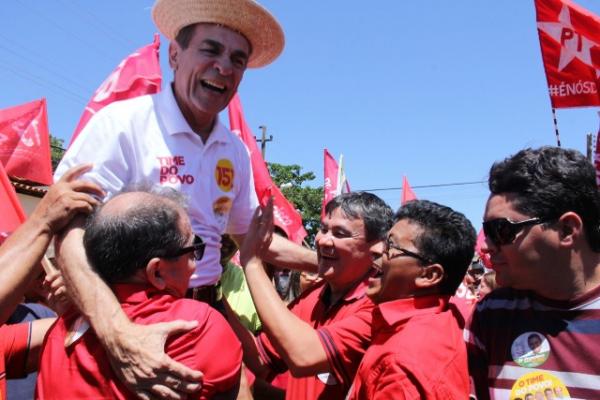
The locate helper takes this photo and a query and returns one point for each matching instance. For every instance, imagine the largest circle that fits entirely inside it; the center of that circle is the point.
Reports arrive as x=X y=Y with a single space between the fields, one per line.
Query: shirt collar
x=132 y=293
x=358 y=291
x=398 y=311
x=175 y=123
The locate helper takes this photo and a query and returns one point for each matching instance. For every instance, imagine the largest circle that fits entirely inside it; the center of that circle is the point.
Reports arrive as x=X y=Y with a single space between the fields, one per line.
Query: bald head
x=132 y=228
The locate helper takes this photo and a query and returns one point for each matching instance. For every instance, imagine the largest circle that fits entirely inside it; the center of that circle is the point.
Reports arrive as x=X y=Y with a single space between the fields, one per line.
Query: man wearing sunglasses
x=542 y=227
x=143 y=247
x=417 y=349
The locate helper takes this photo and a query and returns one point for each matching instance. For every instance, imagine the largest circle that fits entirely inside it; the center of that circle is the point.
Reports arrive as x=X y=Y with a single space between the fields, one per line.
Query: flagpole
x=556 y=127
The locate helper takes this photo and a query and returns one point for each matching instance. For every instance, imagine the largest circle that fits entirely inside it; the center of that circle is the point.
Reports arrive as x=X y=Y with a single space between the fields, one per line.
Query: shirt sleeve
x=15 y=343
x=269 y=356
x=246 y=201
x=105 y=144
x=212 y=348
x=345 y=342
x=392 y=382
x=477 y=356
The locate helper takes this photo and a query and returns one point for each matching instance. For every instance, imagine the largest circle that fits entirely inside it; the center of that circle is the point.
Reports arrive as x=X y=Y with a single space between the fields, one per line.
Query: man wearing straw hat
x=174 y=138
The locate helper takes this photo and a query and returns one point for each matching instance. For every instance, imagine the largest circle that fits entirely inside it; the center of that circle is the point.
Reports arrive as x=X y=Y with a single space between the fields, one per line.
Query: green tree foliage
x=56 y=151
x=306 y=199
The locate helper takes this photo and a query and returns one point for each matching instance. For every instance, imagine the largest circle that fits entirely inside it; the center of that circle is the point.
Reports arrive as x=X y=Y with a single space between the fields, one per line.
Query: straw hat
x=247 y=17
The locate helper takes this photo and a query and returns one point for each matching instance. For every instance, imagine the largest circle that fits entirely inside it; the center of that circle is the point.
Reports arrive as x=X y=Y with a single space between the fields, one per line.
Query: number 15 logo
x=224 y=174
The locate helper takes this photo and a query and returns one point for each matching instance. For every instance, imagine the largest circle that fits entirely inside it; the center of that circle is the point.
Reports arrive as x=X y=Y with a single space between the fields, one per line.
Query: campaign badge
x=530 y=349
x=538 y=385
x=224 y=174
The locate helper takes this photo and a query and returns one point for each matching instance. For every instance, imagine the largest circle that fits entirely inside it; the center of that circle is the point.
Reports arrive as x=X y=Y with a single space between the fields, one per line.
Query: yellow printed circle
x=538 y=385
x=224 y=174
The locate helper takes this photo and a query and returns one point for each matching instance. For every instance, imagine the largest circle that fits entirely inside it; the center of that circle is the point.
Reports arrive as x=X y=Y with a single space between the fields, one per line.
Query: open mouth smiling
x=214 y=86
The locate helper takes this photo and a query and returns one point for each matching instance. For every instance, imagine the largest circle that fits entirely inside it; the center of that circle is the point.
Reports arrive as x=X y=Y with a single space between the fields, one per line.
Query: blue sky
x=434 y=90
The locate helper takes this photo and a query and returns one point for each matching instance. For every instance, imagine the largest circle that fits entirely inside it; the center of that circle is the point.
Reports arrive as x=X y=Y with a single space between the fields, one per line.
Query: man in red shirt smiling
x=323 y=335
x=417 y=349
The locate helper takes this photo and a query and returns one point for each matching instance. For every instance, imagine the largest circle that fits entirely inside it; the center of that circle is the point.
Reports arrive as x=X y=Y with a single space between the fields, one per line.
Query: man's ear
x=570 y=228
x=153 y=273
x=430 y=276
x=174 y=54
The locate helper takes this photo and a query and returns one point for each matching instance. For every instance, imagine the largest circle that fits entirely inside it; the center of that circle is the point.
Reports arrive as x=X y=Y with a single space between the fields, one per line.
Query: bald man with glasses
x=142 y=245
x=542 y=227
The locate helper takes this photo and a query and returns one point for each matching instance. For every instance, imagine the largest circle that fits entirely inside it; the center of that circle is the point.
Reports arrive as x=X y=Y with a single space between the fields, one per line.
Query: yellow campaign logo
x=224 y=174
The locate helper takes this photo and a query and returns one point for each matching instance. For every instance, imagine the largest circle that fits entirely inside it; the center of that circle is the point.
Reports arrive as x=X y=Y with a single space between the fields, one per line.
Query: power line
x=426 y=186
x=39 y=81
x=98 y=22
x=42 y=66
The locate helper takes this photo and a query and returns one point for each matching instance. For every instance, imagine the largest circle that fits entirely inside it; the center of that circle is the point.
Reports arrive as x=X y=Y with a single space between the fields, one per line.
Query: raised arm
x=296 y=341
x=21 y=253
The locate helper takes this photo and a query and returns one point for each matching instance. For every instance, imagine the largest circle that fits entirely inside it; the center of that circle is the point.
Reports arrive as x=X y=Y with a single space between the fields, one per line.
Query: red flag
x=25 y=143
x=10 y=207
x=484 y=257
x=570 y=43
x=335 y=182
x=286 y=216
x=407 y=192
x=136 y=75
x=330 y=180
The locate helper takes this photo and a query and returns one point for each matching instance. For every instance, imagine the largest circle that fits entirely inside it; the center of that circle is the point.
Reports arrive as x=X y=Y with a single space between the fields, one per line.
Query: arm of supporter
x=295 y=340
x=39 y=327
x=21 y=253
x=136 y=352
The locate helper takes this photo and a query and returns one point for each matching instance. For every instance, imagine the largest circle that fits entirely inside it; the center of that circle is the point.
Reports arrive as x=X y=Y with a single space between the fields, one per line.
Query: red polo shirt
x=82 y=369
x=14 y=348
x=417 y=352
x=344 y=329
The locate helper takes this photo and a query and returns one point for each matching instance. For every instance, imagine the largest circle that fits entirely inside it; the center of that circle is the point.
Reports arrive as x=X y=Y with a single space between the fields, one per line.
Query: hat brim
x=247 y=17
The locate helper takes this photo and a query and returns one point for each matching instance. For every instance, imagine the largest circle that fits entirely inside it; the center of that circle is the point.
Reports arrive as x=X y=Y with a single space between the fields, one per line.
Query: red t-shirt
x=417 y=352
x=85 y=372
x=344 y=329
x=14 y=348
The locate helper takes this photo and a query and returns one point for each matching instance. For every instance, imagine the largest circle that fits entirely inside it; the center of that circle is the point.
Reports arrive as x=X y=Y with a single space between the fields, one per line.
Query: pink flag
x=136 y=75
x=484 y=257
x=10 y=207
x=335 y=182
x=407 y=192
x=286 y=216
x=25 y=143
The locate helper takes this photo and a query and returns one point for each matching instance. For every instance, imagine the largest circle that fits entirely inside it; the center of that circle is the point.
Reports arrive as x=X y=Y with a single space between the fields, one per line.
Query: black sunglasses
x=503 y=231
x=388 y=244
x=197 y=247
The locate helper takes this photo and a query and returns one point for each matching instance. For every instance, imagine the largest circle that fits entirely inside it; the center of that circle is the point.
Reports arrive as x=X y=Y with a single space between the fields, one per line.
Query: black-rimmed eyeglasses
x=502 y=231
x=197 y=248
x=401 y=252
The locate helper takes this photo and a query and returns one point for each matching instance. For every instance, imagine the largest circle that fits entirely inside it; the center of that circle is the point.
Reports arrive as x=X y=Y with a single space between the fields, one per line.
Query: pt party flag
x=286 y=216
x=10 y=208
x=570 y=42
x=25 y=142
x=136 y=75
x=335 y=181
x=407 y=192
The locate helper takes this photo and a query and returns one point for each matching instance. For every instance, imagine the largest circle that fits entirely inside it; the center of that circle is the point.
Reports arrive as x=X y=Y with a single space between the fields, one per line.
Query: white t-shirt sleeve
x=245 y=202
x=105 y=144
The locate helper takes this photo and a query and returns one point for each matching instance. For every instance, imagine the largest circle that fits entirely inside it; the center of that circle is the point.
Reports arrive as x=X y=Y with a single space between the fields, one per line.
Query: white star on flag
x=569 y=50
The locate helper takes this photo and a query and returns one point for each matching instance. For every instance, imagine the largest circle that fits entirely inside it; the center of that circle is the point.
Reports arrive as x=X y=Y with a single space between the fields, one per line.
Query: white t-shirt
x=147 y=139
